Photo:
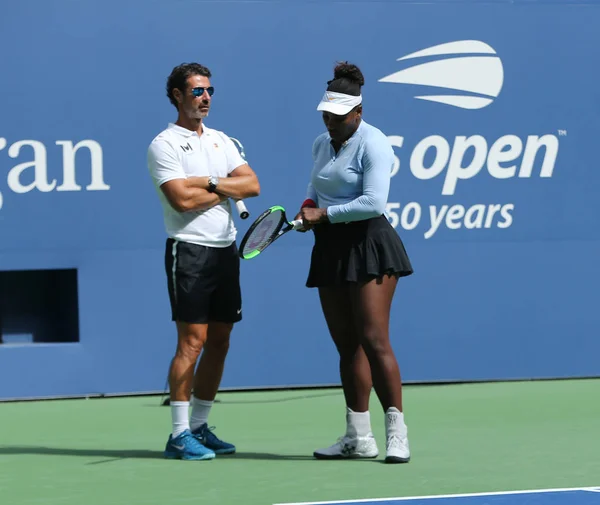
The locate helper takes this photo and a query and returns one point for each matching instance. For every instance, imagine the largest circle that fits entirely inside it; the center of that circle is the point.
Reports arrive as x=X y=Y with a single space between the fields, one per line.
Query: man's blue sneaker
x=187 y=446
x=206 y=436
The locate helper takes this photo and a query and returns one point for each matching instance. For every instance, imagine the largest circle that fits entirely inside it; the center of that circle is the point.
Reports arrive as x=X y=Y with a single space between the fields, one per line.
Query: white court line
x=433 y=497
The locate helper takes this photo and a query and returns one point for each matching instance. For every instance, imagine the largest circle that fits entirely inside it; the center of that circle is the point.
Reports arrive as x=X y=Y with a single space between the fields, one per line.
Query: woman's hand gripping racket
x=267 y=228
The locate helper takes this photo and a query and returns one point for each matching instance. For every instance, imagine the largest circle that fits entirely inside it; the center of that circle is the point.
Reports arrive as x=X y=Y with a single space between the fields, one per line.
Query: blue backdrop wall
x=493 y=109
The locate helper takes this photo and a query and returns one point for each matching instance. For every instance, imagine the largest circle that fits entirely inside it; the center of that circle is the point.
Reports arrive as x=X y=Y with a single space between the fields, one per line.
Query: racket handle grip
x=297 y=224
x=241 y=208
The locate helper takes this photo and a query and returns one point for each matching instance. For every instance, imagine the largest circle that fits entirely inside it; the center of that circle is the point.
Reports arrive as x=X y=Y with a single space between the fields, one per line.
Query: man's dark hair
x=179 y=76
x=347 y=78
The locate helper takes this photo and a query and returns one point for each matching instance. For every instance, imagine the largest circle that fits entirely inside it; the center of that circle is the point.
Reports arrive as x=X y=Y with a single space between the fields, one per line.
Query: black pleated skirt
x=356 y=252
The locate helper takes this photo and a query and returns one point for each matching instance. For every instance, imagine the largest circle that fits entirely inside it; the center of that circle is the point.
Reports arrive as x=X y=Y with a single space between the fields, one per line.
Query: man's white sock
x=180 y=412
x=200 y=411
x=358 y=424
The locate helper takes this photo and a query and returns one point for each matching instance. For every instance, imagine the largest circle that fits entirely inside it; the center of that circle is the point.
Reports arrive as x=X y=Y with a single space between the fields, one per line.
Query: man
x=196 y=171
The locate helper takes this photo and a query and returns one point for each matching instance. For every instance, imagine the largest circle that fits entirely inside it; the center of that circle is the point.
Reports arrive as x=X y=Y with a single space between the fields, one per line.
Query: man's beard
x=200 y=115
x=197 y=114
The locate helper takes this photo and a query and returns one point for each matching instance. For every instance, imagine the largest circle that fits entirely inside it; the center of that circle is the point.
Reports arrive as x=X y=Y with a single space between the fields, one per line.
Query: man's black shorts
x=204 y=282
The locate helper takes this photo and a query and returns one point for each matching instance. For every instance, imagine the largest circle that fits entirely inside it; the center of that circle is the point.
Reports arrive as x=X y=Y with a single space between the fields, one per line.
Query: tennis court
x=466 y=438
x=568 y=496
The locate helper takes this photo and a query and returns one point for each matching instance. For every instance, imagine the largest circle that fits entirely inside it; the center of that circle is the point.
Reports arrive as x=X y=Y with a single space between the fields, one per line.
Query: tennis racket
x=239 y=204
x=241 y=208
x=267 y=228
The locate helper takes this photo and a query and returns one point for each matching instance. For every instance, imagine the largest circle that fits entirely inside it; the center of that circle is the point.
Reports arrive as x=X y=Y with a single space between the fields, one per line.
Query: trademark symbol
x=562 y=133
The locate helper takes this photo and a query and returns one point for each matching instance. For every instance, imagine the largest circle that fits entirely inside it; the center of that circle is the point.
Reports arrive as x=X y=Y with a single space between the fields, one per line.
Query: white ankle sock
x=394 y=422
x=200 y=411
x=180 y=415
x=358 y=424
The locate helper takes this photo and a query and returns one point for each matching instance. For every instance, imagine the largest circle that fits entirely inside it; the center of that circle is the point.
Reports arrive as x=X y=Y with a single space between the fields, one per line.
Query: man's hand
x=197 y=182
x=241 y=183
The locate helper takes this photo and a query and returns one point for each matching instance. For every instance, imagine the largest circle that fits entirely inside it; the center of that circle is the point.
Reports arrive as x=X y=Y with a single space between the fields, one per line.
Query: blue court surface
x=574 y=496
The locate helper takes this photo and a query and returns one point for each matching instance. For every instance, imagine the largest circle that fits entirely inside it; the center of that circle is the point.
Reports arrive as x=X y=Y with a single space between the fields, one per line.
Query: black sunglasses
x=200 y=91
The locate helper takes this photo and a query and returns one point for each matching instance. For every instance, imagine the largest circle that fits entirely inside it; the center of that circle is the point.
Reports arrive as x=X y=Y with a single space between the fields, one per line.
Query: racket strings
x=262 y=234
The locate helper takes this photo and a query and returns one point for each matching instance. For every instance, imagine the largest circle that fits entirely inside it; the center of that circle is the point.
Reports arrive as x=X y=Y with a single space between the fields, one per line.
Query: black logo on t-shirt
x=186 y=147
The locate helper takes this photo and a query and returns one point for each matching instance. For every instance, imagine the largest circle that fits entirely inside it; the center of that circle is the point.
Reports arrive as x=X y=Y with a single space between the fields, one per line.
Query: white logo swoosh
x=482 y=75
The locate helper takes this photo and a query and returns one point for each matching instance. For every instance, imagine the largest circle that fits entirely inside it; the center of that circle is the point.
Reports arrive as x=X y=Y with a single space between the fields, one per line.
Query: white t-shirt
x=178 y=153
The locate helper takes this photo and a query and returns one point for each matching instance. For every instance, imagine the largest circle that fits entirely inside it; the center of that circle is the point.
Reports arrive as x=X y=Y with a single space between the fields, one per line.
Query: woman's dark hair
x=179 y=76
x=347 y=78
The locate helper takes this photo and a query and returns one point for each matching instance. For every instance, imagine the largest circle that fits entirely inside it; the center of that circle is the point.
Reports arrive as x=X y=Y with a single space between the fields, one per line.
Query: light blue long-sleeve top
x=354 y=183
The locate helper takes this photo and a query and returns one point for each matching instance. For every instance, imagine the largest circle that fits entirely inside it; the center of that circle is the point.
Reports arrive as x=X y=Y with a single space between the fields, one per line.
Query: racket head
x=262 y=232
x=239 y=147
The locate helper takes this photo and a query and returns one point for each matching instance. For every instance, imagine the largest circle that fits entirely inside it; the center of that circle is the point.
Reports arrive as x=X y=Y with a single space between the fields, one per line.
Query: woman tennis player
x=356 y=261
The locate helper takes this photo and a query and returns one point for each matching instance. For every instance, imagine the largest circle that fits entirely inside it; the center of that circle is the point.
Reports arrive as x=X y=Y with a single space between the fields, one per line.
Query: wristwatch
x=212 y=183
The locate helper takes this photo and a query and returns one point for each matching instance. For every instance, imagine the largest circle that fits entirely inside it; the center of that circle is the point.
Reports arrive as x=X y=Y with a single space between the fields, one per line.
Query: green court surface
x=464 y=438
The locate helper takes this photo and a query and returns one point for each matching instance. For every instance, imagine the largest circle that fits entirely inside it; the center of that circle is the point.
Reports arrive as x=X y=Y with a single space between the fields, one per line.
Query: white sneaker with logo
x=396 y=446
x=350 y=447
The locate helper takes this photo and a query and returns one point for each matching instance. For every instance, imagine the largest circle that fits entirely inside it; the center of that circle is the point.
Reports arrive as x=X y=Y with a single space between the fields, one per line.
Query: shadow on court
x=226 y=401
x=223 y=400
x=116 y=455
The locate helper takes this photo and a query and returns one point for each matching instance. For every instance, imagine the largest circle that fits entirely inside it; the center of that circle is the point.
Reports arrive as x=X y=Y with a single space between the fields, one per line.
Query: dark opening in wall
x=39 y=306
